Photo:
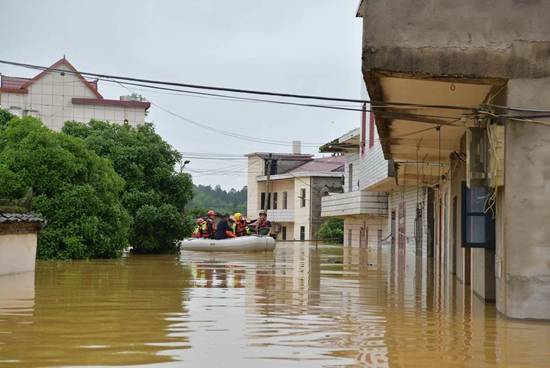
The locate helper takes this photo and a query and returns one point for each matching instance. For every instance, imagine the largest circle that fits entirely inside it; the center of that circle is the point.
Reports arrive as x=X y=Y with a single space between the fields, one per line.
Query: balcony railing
x=354 y=203
x=281 y=215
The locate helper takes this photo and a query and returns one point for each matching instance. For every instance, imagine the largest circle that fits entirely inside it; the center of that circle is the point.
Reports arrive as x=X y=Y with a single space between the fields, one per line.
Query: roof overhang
x=303 y=174
x=346 y=143
x=116 y=103
x=421 y=119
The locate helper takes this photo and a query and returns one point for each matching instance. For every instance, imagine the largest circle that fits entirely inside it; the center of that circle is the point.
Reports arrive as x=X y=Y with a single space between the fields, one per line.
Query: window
x=303 y=197
x=268 y=201
x=478 y=227
x=285 y=200
x=284 y=233
x=262 y=201
x=275 y=200
x=302 y=233
x=349 y=237
x=350 y=178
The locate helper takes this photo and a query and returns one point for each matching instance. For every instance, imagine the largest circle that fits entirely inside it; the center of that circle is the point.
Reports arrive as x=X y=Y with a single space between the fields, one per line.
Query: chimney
x=296 y=147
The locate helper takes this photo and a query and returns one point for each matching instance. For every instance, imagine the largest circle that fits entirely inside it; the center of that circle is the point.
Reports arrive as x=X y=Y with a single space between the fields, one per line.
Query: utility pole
x=268 y=196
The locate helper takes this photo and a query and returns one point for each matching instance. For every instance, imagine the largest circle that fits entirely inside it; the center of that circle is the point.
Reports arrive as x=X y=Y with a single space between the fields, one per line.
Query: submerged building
x=461 y=95
x=289 y=186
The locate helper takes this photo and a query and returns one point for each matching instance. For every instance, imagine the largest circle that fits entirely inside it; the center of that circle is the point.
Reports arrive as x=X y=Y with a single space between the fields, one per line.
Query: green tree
x=332 y=230
x=205 y=197
x=74 y=189
x=155 y=194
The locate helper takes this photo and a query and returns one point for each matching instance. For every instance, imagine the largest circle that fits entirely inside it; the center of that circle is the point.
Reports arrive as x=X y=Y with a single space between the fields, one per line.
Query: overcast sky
x=295 y=46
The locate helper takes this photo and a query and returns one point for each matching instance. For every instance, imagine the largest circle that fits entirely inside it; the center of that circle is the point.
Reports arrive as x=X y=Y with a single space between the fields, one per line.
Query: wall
x=355 y=223
x=408 y=194
x=17 y=253
x=448 y=37
x=51 y=98
x=255 y=168
x=302 y=214
x=317 y=184
x=523 y=246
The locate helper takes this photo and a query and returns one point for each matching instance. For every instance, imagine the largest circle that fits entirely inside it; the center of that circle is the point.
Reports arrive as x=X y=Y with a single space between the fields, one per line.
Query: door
x=392 y=229
x=302 y=233
x=401 y=231
x=364 y=237
x=284 y=233
x=455 y=232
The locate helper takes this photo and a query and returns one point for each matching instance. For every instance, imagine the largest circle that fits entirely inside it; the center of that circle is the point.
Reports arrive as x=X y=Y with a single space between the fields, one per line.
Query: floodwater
x=297 y=307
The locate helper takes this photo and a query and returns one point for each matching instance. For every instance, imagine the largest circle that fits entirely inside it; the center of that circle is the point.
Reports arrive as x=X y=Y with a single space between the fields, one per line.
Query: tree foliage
x=155 y=194
x=205 y=197
x=75 y=190
x=332 y=230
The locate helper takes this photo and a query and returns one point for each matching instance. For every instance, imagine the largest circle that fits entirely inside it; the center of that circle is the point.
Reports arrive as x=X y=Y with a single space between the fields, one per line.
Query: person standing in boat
x=223 y=229
x=200 y=230
x=211 y=224
x=263 y=225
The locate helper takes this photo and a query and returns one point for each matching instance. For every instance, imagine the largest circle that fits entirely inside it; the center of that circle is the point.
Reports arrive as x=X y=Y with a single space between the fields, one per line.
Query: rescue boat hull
x=240 y=244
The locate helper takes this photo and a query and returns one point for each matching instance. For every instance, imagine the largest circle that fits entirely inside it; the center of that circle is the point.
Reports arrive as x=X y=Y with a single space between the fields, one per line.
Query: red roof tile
x=324 y=164
x=105 y=102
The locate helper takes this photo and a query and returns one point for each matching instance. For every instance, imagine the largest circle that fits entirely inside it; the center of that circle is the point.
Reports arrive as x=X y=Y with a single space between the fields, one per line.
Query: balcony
x=354 y=203
x=281 y=215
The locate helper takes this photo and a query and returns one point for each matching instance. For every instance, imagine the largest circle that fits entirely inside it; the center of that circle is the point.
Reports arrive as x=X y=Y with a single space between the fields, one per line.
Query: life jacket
x=201 y=231
x=210 y=230
x=262 y=224
x=242 y=228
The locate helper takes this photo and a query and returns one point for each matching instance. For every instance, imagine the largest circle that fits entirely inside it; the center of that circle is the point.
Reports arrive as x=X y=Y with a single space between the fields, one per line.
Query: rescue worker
x=223 y=230
x=200 y=230
x=211 y=224
x=263 y=225
x=242 y=228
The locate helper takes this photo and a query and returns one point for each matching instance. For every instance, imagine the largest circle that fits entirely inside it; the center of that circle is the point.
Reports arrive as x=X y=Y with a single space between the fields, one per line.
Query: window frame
x=285 y=200
x=275 y=200
x=262 y=200
x=488 y=223
x=302 y=197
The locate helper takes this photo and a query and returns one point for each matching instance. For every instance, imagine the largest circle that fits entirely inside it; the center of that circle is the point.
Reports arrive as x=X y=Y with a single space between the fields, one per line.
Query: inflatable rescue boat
x=241 y=244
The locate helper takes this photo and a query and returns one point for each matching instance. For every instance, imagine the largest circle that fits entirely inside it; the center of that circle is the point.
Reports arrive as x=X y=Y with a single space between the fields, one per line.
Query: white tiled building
x=292 y=193
x=60 y=93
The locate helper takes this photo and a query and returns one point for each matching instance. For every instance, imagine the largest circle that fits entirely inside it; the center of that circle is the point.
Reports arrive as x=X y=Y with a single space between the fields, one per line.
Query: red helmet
x=211 y=213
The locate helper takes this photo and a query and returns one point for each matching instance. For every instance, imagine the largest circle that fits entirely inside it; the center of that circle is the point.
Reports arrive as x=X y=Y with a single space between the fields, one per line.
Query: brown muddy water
x=297 y=307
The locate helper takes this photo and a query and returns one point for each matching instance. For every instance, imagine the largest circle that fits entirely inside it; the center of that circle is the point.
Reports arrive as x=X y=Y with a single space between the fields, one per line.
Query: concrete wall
x=355 y=223
x=50 y=100
x=17 y=253
x=467 y=38
x=408 y=194
x=524 y=240
x=255 y=168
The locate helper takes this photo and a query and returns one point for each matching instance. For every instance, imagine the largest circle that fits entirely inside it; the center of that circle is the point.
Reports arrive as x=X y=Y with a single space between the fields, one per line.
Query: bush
x=155 y=194
x=75 y=190
x=332 y=230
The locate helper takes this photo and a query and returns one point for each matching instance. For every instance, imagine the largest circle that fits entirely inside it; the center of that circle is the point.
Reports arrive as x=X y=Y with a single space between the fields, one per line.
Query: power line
x=236 y=90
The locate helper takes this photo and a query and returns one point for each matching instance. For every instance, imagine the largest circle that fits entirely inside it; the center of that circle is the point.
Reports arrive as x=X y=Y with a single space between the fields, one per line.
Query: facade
x=461 y=93
x=364 y=211
x=60 y=94
x=290 y=187
x=18 y=239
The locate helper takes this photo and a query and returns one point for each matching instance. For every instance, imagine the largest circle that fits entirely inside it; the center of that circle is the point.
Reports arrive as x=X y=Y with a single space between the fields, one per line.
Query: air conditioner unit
x=476 y=157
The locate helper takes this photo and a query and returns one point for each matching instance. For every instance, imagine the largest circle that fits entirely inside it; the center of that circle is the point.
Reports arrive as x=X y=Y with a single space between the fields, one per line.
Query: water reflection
x=300 y=306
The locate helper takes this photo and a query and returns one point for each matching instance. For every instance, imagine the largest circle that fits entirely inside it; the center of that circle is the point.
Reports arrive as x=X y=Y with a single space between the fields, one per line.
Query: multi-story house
x=60 y=93
x=461 y=96
x=289 y=186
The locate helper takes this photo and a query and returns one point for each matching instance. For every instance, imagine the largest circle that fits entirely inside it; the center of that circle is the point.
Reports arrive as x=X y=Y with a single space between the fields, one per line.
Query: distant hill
x=205 y=198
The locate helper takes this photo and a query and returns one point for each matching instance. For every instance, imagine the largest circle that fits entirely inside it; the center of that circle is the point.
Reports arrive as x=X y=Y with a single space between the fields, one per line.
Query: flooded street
x=297 y=307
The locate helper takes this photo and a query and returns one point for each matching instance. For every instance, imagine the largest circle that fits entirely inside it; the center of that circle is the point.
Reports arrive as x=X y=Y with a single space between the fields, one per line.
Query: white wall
x=302 y=214
x=356 y=223
x=17 y=253
x=50 y=100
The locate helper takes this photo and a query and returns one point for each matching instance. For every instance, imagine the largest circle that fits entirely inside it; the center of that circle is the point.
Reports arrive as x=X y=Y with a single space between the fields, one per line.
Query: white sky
x=295 y=46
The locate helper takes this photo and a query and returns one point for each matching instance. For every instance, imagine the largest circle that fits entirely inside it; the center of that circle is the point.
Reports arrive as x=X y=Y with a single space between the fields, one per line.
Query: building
x=363 y=204
x=461 y=94
x=18 y=239
x=289 y=187
x=60 y=93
